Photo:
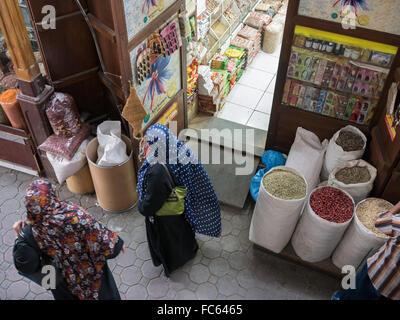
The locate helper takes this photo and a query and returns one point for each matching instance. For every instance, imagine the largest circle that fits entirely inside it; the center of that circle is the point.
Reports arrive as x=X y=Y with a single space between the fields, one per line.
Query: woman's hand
x=17 y=227
x=396 y=209
x=123 y=249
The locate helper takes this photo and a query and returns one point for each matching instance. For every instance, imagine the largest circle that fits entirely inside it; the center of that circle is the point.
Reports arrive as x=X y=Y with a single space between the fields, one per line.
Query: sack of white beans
x=362 y=239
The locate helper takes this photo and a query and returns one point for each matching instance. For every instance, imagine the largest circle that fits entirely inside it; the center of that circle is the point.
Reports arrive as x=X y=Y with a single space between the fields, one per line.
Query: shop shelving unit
x=284 y=121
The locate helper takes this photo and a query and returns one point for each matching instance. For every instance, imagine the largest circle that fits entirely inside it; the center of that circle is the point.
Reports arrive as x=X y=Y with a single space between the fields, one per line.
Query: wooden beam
x=14 y=31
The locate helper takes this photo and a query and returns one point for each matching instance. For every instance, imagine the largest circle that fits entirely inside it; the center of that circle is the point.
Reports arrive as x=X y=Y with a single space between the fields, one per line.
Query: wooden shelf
x=311 y=51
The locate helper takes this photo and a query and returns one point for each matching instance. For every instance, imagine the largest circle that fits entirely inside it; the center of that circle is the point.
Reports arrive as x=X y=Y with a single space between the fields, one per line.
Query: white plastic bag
x=315 y=238
x=358 y=244
x=64 y=168
x=358 y=191
x=307 y=156
x=335 y=155
x=112 y=149
x=274 y=219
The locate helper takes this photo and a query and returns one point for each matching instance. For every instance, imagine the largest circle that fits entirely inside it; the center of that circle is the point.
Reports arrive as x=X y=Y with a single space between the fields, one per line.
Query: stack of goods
x=249 y=39
x=69 y=131
x=237 y=63
x=325 y=219
x=280 y=200
x=258 y=20
x=362 y=239
x=192 y=77
x=213 y=88
x=11 y=110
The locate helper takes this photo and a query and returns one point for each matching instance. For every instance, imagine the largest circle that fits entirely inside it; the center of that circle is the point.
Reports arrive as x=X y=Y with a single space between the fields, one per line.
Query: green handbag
x=175 y=204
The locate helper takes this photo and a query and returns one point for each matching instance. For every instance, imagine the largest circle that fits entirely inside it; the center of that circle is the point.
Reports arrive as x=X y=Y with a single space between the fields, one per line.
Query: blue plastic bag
x=271 y=159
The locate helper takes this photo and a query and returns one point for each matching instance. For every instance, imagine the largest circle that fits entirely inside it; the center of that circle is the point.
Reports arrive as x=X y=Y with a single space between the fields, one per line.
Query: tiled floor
x=224 y=268
x=250 y=101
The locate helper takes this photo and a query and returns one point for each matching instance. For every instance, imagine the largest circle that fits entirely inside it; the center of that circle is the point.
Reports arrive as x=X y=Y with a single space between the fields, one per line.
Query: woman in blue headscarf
x=172 y=238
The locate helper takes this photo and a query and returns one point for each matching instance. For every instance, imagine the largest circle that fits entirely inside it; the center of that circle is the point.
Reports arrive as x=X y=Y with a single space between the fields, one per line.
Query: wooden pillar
x=34 y=93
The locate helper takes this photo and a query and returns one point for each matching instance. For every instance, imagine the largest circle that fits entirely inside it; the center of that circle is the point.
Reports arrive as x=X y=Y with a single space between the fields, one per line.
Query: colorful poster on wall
x=379 y=15
x=161 y=84
x=139 y=13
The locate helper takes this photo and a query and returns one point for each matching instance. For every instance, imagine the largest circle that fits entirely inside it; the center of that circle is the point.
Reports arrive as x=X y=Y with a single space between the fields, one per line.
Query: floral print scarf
x=65 y=232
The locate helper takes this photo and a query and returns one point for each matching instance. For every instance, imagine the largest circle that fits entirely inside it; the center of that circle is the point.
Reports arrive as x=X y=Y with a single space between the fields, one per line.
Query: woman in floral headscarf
x=62 y=234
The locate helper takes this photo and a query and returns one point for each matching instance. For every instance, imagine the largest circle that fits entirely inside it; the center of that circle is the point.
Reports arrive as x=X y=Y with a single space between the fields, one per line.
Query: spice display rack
x=381 y=152
x=285 y=119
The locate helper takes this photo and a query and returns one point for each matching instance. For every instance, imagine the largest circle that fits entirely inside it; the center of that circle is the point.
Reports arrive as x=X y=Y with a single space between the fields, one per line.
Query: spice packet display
x=219 y=28
x=327 y=102
x=261 y=16
x=63 y=115
x=348 y=78
x=219 y=62
x=254 y=23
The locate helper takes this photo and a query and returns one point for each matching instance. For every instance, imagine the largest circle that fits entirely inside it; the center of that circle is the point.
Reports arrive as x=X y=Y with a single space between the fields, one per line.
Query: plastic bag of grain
x=272 y=37
x=362 y=239
x=307 y=156
x=280 y=200
x=356 y=177
x=325 y=219
x=347 y=144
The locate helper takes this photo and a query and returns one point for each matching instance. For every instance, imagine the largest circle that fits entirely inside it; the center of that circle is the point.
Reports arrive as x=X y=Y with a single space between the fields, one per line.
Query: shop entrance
x=231 y=87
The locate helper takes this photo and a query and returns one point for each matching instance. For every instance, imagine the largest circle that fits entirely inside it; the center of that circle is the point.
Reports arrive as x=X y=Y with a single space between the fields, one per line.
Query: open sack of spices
x=280 y=200
x=326 y=217
x=69 y=130
x=362 y=239
x=356 y=177
x=347 y=144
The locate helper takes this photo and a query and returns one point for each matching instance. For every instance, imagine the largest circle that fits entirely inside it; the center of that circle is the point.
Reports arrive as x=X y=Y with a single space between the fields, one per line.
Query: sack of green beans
x=280 y=200
x=356 y=177
x=362 y=239
x=325 y=219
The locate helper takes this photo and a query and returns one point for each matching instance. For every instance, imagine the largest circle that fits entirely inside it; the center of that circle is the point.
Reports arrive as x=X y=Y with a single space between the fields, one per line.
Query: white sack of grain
x=272 y=37
x=274 y=219
x=315 y=238
x=335 y=155
x=358 y=244
x=307 y=156
x=359 y=191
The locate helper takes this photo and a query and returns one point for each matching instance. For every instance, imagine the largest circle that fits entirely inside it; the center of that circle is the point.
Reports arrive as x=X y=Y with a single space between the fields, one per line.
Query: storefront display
x=336 y=75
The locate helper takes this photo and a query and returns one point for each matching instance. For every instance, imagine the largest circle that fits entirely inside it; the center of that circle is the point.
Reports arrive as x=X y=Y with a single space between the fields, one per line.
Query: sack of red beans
x=326 y=217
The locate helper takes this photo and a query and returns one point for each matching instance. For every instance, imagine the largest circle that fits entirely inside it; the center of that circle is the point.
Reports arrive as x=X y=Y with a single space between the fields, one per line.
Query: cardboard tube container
x=12 y=109
x=115 y=186
x=81 y=182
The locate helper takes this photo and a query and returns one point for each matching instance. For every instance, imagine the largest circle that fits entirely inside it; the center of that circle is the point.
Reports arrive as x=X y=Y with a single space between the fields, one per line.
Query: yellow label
x=172 y=89
x=346 y=40
x=363 y=20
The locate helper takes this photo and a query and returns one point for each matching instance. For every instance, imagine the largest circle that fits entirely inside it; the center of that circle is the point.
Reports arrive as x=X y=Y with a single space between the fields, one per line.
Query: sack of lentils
x=326 y=217
x=356 y=177
x=347 y=144
x=362 y=239
x=280 y=200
